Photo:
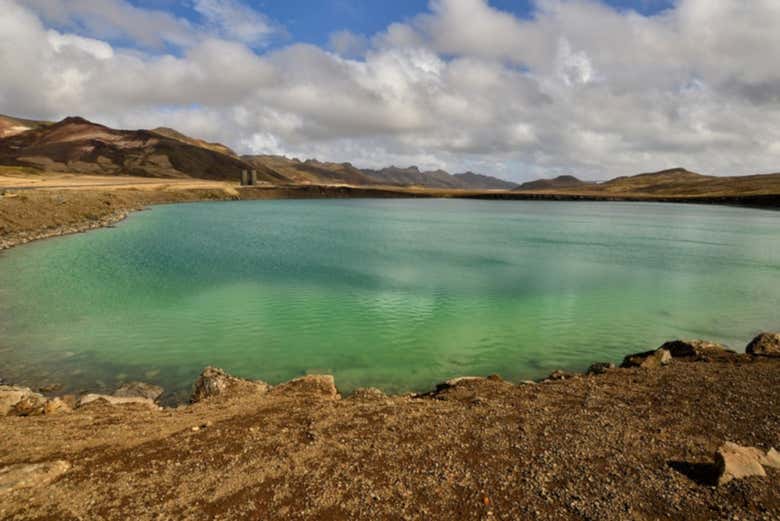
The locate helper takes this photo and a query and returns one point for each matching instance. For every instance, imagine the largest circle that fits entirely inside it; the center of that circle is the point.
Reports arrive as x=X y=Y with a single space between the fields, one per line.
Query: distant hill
x=311 y=171
x=412 y=176
x=562 y=181
x=483 y=182
x=682 y=182
x=80 y=146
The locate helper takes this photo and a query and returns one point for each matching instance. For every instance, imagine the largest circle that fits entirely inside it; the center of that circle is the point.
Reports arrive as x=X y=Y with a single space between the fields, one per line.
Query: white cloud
x=234 y=20
x=578 y=88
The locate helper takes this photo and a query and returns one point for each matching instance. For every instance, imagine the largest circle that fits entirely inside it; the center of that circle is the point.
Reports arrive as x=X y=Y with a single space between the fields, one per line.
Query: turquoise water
x=397 y=294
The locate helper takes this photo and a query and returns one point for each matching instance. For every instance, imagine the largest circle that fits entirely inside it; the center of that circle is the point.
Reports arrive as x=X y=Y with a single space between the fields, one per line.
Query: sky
x=519 y=89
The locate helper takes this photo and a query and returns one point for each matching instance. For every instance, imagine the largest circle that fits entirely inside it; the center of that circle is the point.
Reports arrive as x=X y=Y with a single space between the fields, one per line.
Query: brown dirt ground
x=629 y=444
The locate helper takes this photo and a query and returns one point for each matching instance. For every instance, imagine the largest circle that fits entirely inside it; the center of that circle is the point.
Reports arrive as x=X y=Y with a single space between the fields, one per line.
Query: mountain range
x=75 y=145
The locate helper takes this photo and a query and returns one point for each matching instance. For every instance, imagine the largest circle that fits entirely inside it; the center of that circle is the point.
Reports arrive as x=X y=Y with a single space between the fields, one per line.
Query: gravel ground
x=630 y=444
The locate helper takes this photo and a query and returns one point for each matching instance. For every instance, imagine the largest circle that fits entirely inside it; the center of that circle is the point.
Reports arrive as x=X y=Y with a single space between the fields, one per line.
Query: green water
x=396 y=294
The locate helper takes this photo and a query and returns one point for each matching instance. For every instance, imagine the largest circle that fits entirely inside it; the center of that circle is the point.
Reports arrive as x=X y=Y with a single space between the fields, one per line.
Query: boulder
x=316 y=385
x=765 y=344
x=216 y=382
x=733 y=461
x=117 y=400
x=696 y=349
x=560 y=375
x=600 y=367
x=139 y=390
x=19 y=476
x=648 y=359
x=20 y=401
x=55 y=406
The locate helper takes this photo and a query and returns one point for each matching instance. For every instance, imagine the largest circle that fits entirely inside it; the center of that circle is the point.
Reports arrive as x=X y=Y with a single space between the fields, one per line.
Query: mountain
x=311 y=171
x=483 y=182
x=412 y=176
x=682 y=182
x=79 y=146
x=562 y=181
x=10 y=126
x=174 y=134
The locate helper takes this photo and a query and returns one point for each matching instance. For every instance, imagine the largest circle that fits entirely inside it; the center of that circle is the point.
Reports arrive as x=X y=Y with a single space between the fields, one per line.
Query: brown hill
x=175 y=134
x=10 y=126
x=682 y=182
x=412 y=176
x=79 y=146
x=311 y=171
x=562 y=181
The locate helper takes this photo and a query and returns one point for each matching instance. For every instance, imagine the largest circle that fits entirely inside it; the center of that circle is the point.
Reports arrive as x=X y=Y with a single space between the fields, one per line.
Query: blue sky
x=313 y=21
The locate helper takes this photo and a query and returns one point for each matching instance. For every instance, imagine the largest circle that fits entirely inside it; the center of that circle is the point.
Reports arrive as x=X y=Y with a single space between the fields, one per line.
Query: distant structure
x=248 y=177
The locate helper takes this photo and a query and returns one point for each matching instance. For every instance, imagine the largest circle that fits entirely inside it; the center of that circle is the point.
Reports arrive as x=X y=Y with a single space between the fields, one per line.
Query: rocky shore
x=685 y=431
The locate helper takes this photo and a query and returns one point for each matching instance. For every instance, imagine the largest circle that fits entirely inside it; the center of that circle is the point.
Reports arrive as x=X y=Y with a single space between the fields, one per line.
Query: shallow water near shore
x=396 y=294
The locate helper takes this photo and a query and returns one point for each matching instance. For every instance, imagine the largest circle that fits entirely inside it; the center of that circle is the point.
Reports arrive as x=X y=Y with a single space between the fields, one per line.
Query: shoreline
x=54 y=212
x=474 y=447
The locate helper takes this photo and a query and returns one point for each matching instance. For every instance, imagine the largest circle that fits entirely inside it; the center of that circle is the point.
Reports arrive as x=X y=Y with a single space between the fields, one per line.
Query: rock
x=648 y=359
x=117 y=400
x=19 y=476
x=55 y=406
x=600 y=367
x=733 y=461
x=20 y=401
x=696 y=349
x=454 y=382
x=560 y=375
x=765 y=344
x=323 y=386
x=215 y=382
x=139 y=390
x=367 y=394
x=772 y=459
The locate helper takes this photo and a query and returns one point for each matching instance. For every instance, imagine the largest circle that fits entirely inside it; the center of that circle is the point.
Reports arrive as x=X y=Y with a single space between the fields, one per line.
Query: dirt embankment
x=37 y=213
x=631 y=444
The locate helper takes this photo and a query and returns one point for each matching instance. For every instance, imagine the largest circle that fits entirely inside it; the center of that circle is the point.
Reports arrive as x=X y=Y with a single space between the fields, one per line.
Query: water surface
x=396 y=294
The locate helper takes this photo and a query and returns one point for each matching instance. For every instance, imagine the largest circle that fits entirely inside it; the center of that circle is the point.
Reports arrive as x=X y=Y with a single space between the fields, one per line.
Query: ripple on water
x=394 y=294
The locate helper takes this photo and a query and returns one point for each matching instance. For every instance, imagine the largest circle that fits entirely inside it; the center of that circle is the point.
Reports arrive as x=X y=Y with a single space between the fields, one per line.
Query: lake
x=395 y=294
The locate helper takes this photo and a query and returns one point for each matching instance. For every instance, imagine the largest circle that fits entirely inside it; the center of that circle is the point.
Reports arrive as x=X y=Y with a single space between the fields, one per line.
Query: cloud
x=233 y=20
x=578 y=87
x=115 y=19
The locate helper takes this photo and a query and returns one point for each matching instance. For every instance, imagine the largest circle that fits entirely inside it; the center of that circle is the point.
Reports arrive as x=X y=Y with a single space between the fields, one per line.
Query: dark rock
x=600 y=367
x=696 y=349
x=765 y=344
x=139 y=390
x=216 y=382
x=648 y=359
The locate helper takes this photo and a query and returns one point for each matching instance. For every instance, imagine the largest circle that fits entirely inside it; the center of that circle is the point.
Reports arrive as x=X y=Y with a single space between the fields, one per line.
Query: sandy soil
x=629 y=444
